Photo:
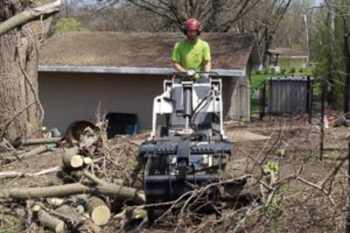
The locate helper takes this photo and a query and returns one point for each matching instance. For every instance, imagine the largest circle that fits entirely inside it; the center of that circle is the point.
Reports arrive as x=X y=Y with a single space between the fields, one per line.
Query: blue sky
x=317 y=2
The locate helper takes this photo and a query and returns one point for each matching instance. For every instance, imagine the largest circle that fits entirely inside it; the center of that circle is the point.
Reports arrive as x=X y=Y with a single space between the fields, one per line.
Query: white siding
x=67 y=97
x=70 y=97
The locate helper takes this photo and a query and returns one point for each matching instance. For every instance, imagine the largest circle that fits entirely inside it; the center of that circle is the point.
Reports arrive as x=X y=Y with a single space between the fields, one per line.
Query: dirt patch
x=243 y=135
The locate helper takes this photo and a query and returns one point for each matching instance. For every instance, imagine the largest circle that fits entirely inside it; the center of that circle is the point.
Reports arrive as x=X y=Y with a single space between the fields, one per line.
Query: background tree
x=264 y=22
x=330 y=47
x=293 y=25
x=123 y=18
x=260 y=17
x=219 y=15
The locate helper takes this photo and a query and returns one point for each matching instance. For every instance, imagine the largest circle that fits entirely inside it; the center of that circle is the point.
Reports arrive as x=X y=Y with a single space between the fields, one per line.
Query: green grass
x=288 y=63
x=258 y=79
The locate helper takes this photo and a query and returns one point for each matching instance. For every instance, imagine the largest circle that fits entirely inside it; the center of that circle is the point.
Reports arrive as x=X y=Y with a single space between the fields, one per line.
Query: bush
x=272 y=71
x=301 y=70
x=257 y=72
x=292 y=70
x=265 y=71
x=283 y=71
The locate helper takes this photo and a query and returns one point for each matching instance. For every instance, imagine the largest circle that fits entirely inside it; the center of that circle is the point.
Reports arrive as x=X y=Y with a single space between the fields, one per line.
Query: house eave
x=235 y=73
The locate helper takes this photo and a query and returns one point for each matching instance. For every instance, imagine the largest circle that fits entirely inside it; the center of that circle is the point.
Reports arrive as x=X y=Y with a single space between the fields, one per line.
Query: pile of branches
x=98 y=178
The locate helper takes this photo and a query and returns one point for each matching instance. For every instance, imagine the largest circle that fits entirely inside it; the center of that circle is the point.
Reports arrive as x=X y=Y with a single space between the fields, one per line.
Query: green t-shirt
x=191 y=55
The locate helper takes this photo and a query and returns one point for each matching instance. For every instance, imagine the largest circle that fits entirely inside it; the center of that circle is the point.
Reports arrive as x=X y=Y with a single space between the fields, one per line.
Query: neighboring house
x=274 y=55
x=123 y=72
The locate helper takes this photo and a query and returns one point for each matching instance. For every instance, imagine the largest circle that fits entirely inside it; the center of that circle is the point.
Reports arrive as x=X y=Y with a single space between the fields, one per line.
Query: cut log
x=122 y=192
x=112 y=190
x=35 y=151
x=44 y=192
x=93 y=178
x=71 y=158
x=72 y=161
x=98 y=211
x=49 y=221
x=88 y=161
x=55 y=201
x=36 y=208
x=81 y=209
x=70 y=214
x=39 y=141
x=132 y=213
x=14 y=174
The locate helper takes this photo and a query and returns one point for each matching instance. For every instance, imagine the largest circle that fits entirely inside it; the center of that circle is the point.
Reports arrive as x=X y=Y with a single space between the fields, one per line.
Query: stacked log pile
x=98 y=179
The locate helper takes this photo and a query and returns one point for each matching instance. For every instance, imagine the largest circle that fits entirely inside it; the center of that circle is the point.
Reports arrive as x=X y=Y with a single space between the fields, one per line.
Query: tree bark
x=18 y=48
x=35 y=151
x=111 y=190
x=29 y=15
x=21 y=111
x=40 y=141
x=70 y=214
x=16 y=174
x=49 y=221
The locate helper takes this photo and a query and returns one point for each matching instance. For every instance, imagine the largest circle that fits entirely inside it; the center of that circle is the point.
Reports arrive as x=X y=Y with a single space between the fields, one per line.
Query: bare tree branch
x=29 y=15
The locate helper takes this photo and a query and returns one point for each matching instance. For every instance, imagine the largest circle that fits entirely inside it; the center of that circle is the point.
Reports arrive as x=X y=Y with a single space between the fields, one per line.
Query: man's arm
x=207 y=58
x=176 y=58
x=207 y=66
x=178 y=67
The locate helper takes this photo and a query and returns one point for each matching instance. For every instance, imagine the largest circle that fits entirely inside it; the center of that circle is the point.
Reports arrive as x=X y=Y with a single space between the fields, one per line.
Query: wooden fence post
x=263 y=101
x=323 y=99
x=309 y=98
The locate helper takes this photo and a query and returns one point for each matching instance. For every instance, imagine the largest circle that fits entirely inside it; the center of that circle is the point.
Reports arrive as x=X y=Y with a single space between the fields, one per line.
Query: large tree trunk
x=20 y=113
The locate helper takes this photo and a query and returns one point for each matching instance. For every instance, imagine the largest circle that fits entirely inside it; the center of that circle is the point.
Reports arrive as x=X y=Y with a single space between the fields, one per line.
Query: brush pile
x=93 y=179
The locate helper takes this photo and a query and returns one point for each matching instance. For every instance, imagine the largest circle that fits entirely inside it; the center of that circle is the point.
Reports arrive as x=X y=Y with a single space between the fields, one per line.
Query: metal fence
x=286 y=95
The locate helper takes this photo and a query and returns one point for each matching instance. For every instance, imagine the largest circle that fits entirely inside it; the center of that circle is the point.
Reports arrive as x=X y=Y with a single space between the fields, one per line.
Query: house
x=277 y=54
x=82 y=73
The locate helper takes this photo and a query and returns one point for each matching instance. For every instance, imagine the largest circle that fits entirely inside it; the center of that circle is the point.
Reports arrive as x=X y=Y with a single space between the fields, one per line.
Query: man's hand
x=190 y=73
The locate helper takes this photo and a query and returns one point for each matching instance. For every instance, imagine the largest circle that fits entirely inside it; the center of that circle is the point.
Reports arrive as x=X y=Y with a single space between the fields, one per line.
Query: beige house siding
x=236 y=97
x=67 y=97
x=70 y=97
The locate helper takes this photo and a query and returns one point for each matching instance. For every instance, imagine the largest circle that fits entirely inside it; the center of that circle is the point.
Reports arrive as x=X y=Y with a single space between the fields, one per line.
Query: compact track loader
x=187 y=148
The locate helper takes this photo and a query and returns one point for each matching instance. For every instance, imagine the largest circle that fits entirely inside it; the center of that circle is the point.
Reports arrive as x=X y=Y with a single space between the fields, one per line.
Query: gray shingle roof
x=229 y=51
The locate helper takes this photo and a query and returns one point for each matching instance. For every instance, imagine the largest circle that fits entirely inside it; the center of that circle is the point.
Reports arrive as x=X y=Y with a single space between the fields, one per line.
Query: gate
x=286 y=95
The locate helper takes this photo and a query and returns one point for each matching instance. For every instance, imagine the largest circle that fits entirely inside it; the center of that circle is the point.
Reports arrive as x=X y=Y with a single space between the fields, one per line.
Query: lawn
x=258 y=80
x=288 y=63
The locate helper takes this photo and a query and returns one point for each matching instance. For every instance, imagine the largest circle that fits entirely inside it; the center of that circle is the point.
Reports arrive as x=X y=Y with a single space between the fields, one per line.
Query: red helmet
x=192 y=24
